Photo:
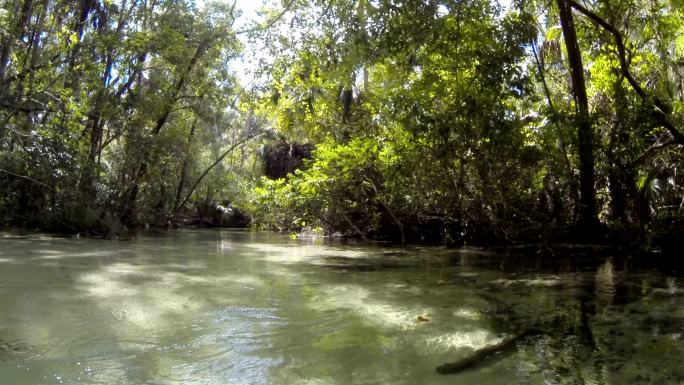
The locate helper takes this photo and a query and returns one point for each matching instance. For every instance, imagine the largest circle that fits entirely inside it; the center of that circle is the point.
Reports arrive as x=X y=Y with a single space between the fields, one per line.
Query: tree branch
x=353 y=226
x=661 y=111
x=556 y=118
x=653 y=149
x=270 y=23
x=19 y=107
x=28 y=178
x=211 y=167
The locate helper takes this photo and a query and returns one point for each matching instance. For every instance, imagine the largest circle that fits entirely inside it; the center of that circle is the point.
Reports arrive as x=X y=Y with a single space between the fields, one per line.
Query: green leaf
x=553 y=33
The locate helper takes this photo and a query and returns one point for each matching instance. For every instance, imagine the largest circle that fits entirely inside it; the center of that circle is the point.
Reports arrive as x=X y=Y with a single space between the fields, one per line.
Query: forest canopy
x=414 y=121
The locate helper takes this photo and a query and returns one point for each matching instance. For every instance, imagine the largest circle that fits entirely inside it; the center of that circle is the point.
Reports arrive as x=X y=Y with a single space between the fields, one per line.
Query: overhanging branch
x=652 y=150
x=206 y=171
x=28 y=178
x=661 y=111
x=270 y=23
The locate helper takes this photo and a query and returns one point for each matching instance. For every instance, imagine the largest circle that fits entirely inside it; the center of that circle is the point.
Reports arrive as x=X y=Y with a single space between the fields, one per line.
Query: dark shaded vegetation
x=283 y=158
x=212 y=214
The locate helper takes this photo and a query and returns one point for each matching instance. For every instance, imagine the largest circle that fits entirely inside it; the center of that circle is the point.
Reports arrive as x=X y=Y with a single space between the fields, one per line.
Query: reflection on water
x=605 y=284
x=233 y=307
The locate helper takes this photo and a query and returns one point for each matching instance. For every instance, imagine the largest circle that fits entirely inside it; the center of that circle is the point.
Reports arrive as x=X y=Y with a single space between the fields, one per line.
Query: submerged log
x=486 y=356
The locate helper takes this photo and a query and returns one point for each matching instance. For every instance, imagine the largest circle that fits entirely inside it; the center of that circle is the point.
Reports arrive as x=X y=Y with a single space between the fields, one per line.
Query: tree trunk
x=131 y=195
x=620 y=170
x=86 y=7
x=556 y=119
x=97 y=118
x=36 y=46
x=184 y=169
x=14 y=36
x=179 y=87
x=585 y=135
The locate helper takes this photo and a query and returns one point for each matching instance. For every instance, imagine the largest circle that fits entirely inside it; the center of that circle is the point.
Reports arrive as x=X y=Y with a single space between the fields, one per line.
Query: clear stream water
x=234 y=307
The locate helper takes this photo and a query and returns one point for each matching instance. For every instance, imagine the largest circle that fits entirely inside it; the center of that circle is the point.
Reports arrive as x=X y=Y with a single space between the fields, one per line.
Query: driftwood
x=486 y=356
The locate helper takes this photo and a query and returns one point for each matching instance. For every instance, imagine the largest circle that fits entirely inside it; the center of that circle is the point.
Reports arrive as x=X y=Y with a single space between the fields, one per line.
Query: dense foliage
x=439 y=120
x=465 y=122
x=109 y=110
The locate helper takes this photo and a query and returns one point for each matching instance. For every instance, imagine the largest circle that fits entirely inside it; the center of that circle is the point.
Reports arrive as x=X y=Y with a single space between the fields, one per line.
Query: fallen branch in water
x=486 y=356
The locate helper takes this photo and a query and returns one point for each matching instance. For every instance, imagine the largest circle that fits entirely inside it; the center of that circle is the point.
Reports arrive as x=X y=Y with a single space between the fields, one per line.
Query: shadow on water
x=216 y=307
x=601 y=315
x=586 y=318
x=367 y=264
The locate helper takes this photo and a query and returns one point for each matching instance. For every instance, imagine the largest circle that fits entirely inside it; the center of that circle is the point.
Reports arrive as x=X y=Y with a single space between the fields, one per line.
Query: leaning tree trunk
x=130 y=196
x=184 y=169
x=585 y=134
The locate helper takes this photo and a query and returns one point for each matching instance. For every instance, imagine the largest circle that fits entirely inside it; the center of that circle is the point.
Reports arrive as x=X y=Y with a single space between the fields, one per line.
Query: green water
x=233 y=307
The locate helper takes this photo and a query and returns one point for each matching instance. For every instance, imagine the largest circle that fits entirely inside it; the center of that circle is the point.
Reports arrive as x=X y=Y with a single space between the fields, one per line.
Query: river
x=236 y=307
